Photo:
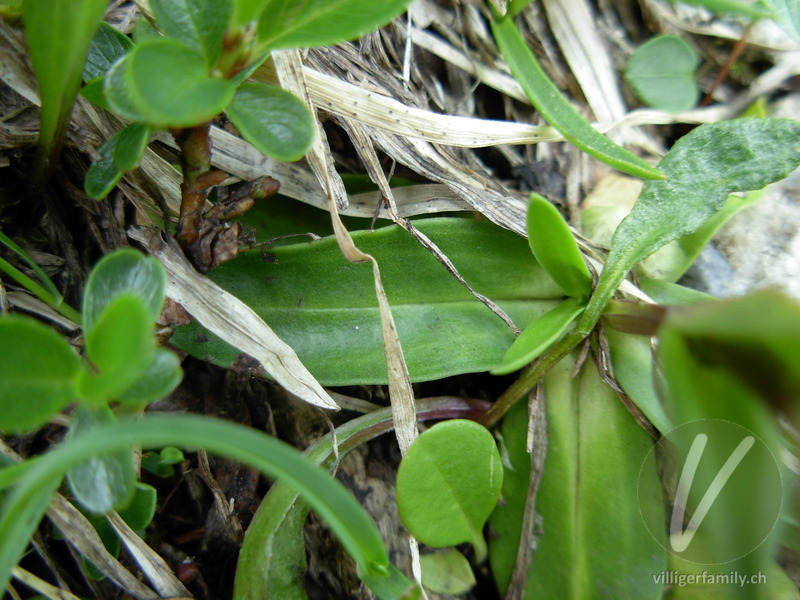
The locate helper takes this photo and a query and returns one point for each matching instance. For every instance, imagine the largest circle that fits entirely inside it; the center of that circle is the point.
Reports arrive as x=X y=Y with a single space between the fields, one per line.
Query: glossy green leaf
x=447 y=572
x=325 y=307
x=662 y=73
x=273 y=120
x=787 y=14
x=163 y=82
x=106 y=480
x=554 y=247
x=448 y=484
x=37 y=373
x=539 y=336
x=161 y=377
x=142 y=507
x=103 y=175
x=702 y=168
x=120 y=273
x=108 y=46
x=58 y=36
x=308 y=23
x=557 y=110
x=37 y=480
x=131 y=145
x=200 y=24
x=590 y=541
x=120 y=346
x=272 y=560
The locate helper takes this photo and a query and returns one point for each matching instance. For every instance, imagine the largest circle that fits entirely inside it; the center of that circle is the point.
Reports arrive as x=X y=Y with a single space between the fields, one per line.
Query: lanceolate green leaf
x=163 y=82
x=448 y=484
x=554 y=247
x=200 y=24
x=105 y=481
x=702 y=169
x=37 y=373
x=557 y=110
x=591 y=541
x=273 y=120
x=58 y=36
x=325 y=307
x=37 y=479
x=539 y=336
x=307 y=23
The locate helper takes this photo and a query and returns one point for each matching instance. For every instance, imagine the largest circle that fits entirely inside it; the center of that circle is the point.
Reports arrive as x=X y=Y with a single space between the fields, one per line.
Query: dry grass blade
x=41 y=586
x=233 y=321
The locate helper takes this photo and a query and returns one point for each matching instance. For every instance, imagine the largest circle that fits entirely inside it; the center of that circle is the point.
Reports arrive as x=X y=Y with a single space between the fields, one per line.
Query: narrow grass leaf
x=37 y=480
x=662 y=73
x=554 y=247
x=37 y=373
x=58 y=36
x=105 y=481
x=309 y=23
x=108 y=46
x=273 y=120
x=557 y=110
x=121 y=347
x=754 y=10
x=448 y=484
x=539 y=336
x=200 y=24
x=124 y=272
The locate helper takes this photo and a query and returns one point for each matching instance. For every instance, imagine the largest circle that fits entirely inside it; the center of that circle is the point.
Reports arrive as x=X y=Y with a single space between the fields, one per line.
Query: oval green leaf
x=557 y=110
x=142 y=507
x=309 y=23
x=103 y=175
x=447 y=572
x=161 y=377
x=124 y=272
x=163 y=82
x=131 y=145
x=661 y=72
x=106 y=480
x=449 y=483
x=554 y=247
x=121 y=346
x=108 y=46
x=276 y=122
x=325 y=307
x=37 y=373
x=539 y=336
x=200 y=24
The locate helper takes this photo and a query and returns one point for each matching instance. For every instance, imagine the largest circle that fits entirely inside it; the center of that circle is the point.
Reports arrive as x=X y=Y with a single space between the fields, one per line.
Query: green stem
x=55 y=301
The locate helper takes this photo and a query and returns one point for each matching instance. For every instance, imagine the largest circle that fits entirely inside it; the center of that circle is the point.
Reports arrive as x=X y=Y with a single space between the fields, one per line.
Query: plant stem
x=195 y=147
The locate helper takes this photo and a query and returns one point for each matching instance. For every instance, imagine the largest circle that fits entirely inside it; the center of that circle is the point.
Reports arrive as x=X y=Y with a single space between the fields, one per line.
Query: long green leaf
x=59 y=35
x=308 y=23
x=325 y=308
x=702 y=169
x=557 y=110
x=37 y=480
x=590 y=541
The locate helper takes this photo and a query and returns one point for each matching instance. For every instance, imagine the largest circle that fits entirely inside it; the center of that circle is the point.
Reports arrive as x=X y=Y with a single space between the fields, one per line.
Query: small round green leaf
x=447 y=572
x=273 y=120
x=539 y=336
x=121 y=346
x=124 y=272
x=163 y=82
x=162 y=376
x=142 y=507
x=200 y=24
x=37 y=373
x=448 y=484
x=554 y=247
x=103 y=482
x=661 y=72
